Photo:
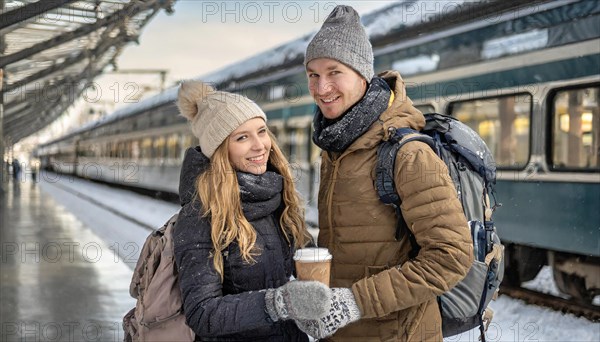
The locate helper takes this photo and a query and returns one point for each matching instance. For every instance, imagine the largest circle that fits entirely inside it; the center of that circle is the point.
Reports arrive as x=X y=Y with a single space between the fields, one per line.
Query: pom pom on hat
x=189 y=93
x=343 y=38
x=214 y=115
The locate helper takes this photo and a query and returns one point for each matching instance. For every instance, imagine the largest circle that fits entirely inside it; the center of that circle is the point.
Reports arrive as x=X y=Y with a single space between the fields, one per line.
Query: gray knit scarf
x=336 y=136
x=260 y=194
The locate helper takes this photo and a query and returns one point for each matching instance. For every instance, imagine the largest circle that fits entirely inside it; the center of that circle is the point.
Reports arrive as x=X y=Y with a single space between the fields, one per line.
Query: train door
x=573 y=157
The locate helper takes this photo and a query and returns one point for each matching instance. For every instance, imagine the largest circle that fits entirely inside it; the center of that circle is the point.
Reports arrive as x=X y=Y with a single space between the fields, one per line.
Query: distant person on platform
x=16 y=166
x=388 y=296
x=239 y=226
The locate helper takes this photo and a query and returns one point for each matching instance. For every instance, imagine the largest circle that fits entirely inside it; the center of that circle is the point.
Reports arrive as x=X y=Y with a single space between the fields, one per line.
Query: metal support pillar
x=3 y=170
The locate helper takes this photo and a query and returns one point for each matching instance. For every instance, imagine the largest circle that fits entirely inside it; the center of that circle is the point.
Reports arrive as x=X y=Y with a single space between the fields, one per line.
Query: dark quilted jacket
x=232 y=310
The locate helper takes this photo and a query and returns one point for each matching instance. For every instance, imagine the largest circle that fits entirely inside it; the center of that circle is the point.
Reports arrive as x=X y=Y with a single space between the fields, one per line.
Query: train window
x=173 y=146
x=277 y=92
x=120 y=150
x=503 y=123
x=276 y=129
x=159 y=147
x=576 y=129
x=187 y=140
x=113 y=150
x=281 y=135
x=298 y=144
x=147 y=148
x=86 y=150
x=135 y=149
x=127 y=149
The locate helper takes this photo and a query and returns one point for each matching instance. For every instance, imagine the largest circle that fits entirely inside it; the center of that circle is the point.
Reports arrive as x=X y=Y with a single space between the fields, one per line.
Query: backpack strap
x=384 y=182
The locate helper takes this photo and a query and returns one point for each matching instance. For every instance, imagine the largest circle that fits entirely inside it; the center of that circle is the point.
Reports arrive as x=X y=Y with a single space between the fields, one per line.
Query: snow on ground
x=123 y=236
x=514 y=320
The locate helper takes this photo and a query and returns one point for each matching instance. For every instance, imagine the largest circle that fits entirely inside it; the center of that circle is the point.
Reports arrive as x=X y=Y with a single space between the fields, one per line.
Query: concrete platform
x=59 y=280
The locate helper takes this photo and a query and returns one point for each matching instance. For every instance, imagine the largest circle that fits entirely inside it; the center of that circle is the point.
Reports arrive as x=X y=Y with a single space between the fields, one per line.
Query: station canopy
x=50 y=51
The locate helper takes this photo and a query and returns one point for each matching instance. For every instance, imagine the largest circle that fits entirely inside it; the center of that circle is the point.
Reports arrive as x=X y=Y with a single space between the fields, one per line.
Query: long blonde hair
x=218 y=191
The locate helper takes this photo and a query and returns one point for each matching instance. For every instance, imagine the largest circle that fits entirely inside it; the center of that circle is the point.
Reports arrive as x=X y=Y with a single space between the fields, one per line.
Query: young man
x=390 y=297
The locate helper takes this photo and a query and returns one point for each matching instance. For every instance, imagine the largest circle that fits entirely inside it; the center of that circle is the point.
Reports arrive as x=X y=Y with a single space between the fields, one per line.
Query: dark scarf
x=336 y=136
x=260 y=194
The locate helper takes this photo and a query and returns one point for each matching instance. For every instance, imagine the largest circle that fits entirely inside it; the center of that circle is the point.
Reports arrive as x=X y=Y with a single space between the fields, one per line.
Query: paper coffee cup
x=313 y=264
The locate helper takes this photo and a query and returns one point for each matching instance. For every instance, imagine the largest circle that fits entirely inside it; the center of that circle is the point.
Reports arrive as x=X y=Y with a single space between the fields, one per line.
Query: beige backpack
x=158 y=313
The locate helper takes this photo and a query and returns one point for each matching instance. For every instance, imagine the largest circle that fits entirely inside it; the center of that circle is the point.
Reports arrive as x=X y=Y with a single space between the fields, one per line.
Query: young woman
x=240 y=223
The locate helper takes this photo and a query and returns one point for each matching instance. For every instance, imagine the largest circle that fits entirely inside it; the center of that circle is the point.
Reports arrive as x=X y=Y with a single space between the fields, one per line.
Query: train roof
x=379 y=23
x=382 y=26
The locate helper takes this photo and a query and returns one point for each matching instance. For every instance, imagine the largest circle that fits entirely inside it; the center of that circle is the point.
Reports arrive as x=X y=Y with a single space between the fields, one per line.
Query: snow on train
x=526 y=77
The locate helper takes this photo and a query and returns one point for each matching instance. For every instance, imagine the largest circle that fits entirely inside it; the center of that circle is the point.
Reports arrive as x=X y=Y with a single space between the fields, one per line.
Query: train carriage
x=526 y=77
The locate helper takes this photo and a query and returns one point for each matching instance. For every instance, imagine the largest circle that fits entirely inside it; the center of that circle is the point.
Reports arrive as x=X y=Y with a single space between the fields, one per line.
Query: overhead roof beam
x=36 y=103
x=27 y=127
x=127 y=12
x=43 y=113
x=35 y=119
x=44 y=116
x=50 y=90
x=48 y=71
x=29 y=11
x=17 y=107
x=66 y=87
x=13 y=127
x=104 y=45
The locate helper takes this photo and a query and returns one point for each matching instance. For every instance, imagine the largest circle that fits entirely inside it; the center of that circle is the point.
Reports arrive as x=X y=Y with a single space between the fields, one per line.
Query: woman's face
x=249 y=147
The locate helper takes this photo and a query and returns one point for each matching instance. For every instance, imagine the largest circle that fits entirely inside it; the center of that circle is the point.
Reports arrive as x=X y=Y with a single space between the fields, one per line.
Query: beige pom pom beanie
x=213 y=114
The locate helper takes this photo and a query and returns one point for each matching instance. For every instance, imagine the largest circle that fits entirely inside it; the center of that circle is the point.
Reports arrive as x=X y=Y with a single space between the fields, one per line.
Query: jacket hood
x=194 y=163
x=400 y=113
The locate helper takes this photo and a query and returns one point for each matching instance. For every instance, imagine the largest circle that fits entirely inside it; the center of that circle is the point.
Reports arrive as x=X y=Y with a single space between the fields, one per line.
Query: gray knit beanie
x=214 y=115
x=342 y=37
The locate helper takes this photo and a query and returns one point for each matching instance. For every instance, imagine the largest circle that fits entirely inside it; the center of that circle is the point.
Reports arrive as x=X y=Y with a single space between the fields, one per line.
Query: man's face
x=334 y=86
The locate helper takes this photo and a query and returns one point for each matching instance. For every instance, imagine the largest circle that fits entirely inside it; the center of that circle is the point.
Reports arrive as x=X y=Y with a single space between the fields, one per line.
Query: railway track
x=114 y=211
x=588 y=311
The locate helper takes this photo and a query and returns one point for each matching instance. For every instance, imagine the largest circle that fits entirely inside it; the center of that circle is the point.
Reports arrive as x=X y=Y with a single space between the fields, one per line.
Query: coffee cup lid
x=312 y=254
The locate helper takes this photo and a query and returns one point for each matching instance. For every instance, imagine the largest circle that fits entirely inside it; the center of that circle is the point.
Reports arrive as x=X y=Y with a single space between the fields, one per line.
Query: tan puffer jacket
x=396 y=296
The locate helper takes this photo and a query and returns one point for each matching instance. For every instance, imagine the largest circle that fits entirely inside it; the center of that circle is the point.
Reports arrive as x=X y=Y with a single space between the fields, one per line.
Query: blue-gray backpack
x=473 y=171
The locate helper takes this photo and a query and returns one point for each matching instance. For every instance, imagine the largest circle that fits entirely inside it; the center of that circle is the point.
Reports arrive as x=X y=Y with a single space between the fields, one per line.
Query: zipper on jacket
x=336 y=164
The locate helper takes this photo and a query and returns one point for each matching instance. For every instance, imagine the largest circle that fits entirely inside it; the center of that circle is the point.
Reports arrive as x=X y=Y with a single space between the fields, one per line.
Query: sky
x=203 y=36
x=198 y=38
